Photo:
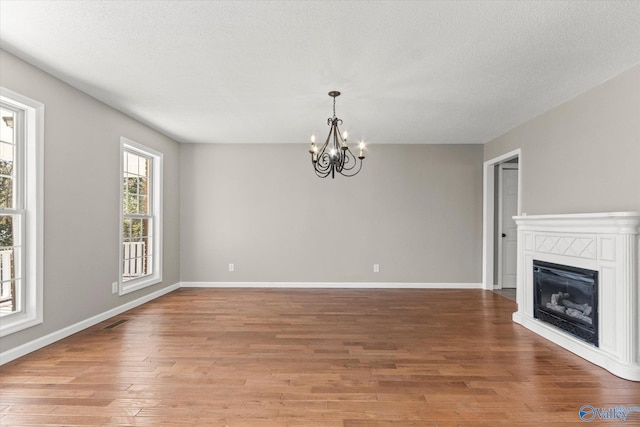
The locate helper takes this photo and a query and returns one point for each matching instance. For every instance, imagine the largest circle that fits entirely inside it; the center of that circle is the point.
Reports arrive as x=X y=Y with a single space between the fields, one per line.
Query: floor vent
x=116 y=324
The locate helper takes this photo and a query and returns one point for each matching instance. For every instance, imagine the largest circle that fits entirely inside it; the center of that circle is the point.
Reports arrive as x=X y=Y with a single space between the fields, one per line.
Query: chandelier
x=334 y=155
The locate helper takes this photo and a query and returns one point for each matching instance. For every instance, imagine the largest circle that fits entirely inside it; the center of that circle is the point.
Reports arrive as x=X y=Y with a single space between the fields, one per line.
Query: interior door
x=508 y=239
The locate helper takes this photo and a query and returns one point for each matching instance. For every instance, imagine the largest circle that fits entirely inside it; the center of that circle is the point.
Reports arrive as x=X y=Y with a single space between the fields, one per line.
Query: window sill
x=137 y=284
x=16 y=322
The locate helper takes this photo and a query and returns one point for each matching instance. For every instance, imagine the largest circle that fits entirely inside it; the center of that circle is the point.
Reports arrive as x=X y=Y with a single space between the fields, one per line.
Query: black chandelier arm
x=324 y=149
x=322 y=174
x=354 y=168
x=349 y=158
x=324 y=162
x=324 y=166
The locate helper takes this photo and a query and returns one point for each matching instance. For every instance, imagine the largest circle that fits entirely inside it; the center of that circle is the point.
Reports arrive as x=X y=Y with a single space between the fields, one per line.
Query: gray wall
x=583 y=156
x=82 y=158
x=414 y=209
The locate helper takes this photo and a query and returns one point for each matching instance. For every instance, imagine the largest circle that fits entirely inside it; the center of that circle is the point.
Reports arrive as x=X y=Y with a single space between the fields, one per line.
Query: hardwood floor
x=507 y=293
x=249 y=357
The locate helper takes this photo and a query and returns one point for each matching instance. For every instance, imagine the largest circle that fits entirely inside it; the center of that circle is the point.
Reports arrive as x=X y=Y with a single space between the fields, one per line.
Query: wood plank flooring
x=297 y=357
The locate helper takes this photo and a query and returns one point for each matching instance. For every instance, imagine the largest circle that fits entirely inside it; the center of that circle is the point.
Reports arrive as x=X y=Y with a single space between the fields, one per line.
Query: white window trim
x=156 y=189
x=32 y=160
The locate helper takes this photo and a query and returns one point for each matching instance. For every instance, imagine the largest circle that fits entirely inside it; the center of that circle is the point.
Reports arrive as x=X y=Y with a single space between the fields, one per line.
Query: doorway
x=506 y=234
x=501 y=201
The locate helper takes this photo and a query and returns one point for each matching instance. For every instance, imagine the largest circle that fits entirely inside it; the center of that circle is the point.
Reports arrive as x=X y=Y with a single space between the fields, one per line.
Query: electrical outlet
x=376 y=268
x=114 y=288
x=232 y=267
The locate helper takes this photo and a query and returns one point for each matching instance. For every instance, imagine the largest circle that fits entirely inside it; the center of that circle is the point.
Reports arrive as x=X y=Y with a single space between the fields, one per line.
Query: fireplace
x=567 y=297
x=606 y=243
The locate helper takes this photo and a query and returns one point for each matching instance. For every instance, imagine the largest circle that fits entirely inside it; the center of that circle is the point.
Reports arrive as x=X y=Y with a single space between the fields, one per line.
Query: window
x=141 y=221
x=21 y=244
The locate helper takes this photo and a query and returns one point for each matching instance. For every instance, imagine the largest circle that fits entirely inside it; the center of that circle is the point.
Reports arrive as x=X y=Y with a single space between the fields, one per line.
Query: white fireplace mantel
x=605 y=242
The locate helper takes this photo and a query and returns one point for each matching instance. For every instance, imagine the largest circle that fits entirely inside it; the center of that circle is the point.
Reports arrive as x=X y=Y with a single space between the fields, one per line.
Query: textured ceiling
x=409 y=72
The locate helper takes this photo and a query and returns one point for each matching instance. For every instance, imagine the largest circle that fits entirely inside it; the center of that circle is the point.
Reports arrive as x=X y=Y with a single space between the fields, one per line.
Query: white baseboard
x=320 y=285
x=21 y=350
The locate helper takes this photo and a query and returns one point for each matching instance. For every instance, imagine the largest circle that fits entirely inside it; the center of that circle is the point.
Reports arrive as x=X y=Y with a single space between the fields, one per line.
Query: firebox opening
x=567 y=297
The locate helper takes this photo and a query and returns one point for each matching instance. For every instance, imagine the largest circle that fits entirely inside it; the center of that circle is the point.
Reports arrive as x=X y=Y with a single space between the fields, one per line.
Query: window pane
x=142 y=192
x=143 y=205
x=143 y=166
x=8 y=297
x=8 y=289
x=130 y=197
x=6 y=191
x=6 y=125
x=130 y=164
x=6 y=156
x=6 y=232
x=6 y=174
x=7 y=265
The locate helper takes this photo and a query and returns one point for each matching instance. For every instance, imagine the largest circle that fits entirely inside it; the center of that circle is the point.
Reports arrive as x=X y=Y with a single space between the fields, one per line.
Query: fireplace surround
x=606 y=244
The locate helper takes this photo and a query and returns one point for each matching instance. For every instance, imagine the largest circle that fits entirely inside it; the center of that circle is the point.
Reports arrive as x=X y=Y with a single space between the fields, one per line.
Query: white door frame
x=502 y=167
x=488 y=212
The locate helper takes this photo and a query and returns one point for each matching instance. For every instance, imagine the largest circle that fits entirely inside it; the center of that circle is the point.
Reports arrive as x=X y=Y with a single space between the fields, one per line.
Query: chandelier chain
x=334 y=107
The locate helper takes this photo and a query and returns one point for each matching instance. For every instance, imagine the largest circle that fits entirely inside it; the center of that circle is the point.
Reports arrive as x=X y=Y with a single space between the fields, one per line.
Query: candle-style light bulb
x=345 y=135
x=313 y=148
x=362 y=145
x=333 y=152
